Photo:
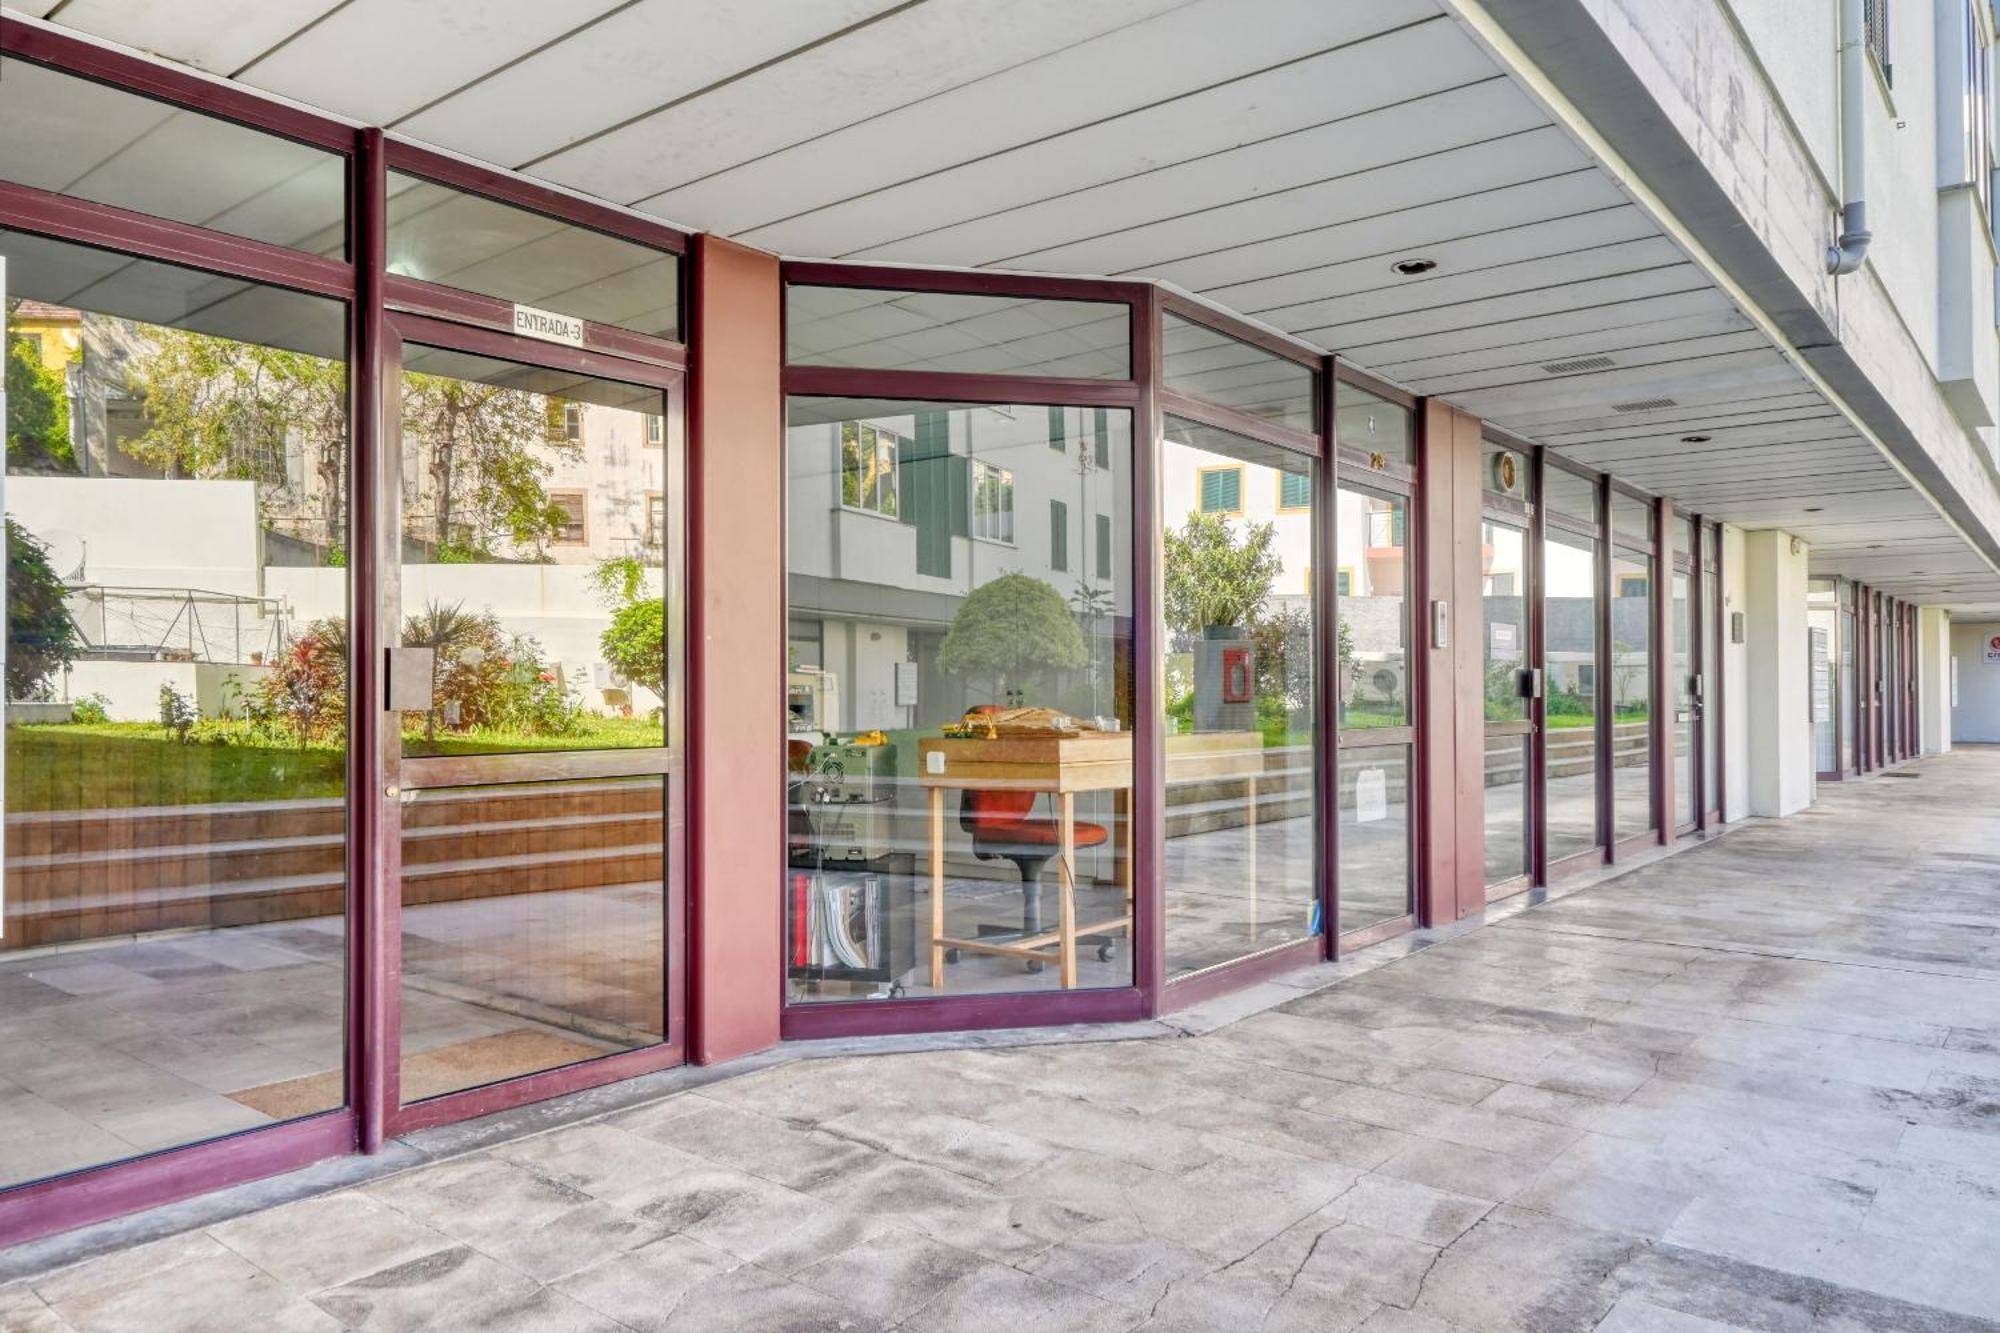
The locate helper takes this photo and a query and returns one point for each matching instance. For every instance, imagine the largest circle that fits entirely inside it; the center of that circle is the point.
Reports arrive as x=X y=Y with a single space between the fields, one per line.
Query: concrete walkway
x=1755 y=1085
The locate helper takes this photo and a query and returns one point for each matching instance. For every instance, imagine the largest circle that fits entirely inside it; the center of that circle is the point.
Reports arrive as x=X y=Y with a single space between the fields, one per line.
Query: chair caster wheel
x=1106 y=952
x=1034 y=966
x=951 y=955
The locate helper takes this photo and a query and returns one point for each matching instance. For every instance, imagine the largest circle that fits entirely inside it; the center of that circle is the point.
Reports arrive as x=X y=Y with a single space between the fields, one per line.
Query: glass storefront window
x=1372 y=588
x=448 y=236
x=1823 y=631
x=1631 y=680
x=1203 y=363
x=1240 y=688
x=172 y=964
x=1572 y=495
x=1570 y=607
x=1370 y=424
x=78 y=137
x=533 y=562
x=923 y=661
x=951 y=331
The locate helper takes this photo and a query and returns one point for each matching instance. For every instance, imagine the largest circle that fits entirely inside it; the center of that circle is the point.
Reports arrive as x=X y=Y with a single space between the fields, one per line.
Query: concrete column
x=1735 y=674
x=1934 y=679
x=1775 y=704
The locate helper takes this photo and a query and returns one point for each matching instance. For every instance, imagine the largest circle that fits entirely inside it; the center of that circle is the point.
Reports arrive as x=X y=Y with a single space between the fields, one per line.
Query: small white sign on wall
x=1371 y=796
x=1993 y=650
x=548 y=326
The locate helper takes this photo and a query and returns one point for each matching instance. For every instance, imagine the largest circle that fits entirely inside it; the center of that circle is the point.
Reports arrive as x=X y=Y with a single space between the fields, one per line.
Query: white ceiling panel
x=1327 y=323
x=1469 y=266
x=1730 y=374
x=1380 y=295
x=1053 y=215
x=915 y=53
x=1510 y=360
x=864 y=187
x=377 y=60
x=1189 y=247
x=638 y=59
x=1694 y=298
x=1552 y=369
x=219 y=36
x=1200 y=64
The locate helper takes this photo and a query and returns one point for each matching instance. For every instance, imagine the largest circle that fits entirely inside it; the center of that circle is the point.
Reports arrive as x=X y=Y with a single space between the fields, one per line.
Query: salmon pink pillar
x=736 y=597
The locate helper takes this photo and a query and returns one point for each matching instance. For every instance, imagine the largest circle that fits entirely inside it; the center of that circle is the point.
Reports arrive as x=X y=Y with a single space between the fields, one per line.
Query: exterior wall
x=1975 y=718
x=1745 y=86
x=1774 y=703
x=1735 y=677
x=116 y=529
x=1934 y=677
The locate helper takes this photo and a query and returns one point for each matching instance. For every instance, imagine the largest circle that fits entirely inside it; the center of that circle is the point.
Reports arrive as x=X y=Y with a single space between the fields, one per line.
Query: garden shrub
x=177 y=711
x=91 y=709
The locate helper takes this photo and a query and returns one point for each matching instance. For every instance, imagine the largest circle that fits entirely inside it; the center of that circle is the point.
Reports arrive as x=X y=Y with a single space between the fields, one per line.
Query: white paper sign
x=548 y=326
x=1503 y=637
x=1371 y=796
x=1993 y=651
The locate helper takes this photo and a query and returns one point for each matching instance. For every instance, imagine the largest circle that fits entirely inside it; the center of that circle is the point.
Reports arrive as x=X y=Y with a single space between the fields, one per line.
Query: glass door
x=530 y=562
x=1510 y=688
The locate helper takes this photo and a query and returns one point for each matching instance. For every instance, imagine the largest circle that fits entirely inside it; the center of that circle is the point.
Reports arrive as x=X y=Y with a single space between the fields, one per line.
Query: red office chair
x=1003 y=828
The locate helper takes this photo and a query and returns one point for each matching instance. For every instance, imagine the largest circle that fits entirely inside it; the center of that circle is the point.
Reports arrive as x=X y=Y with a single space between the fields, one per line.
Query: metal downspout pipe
x=1846 y=254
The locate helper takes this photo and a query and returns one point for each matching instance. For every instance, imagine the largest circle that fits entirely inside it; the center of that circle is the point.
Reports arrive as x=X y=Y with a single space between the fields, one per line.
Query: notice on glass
x=1371 y=796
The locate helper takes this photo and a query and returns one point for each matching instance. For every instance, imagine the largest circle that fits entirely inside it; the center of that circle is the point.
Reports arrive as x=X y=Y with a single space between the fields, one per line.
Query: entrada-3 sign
x=548 y=325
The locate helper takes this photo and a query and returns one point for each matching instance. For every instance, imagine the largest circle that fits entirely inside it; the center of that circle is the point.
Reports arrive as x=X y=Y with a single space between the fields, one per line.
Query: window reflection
x=1238 y=635
x=1631 y=679
x=171 y=968
x=1570 y=616
x=531 y=567
x=1372 y=638
x=950 y=666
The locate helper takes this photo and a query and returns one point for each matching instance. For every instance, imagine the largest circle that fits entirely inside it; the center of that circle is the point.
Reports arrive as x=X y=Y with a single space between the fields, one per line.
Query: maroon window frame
x=1235 y=973
x=1136 y=394
x=93 y=1194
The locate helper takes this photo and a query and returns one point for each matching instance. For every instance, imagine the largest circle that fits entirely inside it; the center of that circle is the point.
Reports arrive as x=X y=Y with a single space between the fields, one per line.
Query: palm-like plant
x=449 y=632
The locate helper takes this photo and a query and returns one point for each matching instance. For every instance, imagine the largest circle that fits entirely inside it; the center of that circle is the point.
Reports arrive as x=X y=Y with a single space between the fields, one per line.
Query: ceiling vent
x=1580 y=363
x=1644 y=405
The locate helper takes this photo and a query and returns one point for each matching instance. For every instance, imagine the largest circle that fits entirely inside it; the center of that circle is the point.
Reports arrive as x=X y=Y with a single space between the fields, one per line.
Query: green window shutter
x=1294 y=490
x=1222 y=491
x=1058 y=536
x=958 y=474
x=1104 y=546
x=1101 y=427
x=1396 y=522
x=926 y=474
x=1057 y=440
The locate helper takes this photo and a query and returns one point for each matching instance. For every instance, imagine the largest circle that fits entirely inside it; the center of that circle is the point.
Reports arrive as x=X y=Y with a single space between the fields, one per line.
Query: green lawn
x=88 y=766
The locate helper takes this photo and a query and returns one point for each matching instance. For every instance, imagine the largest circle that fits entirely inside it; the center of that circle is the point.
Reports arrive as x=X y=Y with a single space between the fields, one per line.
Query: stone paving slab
x=1752 y=1086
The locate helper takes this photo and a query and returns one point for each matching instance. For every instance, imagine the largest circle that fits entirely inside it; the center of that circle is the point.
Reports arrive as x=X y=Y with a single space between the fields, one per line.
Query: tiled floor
x=1752 y=1086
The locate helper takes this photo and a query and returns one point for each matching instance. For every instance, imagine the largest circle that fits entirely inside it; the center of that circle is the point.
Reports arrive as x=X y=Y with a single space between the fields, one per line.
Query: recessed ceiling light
x=1696 y=439
x=1410 y=268
x=1814 y=509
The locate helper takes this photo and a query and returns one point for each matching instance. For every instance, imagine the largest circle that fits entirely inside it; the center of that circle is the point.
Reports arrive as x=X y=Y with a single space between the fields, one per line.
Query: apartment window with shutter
x=655 y=432
x=1058 y=438
x=1221 y=490
x=1058 y=536
x=1294 y=492
x=572 y=532
x=656 y=518
x=1104 y=546
x=1100 y=427
x=1875 y=23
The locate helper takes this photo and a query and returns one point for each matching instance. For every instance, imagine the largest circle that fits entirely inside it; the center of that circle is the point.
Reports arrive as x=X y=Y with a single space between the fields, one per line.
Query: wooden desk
x=1063 y=766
